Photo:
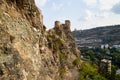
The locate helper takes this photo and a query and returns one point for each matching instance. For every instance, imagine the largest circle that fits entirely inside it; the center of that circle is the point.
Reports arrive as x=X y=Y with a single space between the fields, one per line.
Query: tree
x=89 y=72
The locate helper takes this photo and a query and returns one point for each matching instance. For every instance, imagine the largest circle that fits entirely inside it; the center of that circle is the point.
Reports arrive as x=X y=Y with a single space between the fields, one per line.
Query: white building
x=116 y=46
x=104 y=46
x=118 y=71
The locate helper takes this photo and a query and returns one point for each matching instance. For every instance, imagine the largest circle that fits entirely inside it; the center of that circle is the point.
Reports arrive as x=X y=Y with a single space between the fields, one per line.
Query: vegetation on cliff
x=28 y=51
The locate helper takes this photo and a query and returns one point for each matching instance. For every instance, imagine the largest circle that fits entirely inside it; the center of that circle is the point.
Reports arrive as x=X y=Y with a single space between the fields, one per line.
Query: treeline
x=95 y=55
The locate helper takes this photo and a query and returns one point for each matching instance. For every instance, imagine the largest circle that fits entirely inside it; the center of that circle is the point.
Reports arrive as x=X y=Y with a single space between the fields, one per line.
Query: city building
x=105 y=67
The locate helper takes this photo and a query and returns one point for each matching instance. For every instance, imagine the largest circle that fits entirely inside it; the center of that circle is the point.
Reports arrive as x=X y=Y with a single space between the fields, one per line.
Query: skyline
x=83 y=14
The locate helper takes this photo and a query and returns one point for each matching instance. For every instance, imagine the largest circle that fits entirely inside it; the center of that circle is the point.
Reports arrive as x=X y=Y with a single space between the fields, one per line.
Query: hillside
x=97 y=36
x=28 y=51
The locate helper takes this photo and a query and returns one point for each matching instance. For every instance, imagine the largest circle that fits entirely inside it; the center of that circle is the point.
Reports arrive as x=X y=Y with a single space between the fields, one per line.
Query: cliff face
x=28 y=51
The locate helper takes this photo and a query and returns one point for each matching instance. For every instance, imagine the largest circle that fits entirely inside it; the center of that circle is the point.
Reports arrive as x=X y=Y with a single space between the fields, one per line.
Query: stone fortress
x=64 y=26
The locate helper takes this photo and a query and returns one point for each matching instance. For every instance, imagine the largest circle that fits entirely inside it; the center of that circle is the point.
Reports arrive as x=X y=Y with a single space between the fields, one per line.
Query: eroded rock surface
x=28 y=51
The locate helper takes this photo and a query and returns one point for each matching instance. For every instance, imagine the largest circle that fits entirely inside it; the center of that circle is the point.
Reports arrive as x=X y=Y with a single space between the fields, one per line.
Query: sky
x=83 y=14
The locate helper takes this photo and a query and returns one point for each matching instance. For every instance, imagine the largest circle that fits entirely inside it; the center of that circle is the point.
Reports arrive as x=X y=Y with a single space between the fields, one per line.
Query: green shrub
x=56 y=40
x=76 y=61
x=62 y=71
x=88 y=72
x=62 y=56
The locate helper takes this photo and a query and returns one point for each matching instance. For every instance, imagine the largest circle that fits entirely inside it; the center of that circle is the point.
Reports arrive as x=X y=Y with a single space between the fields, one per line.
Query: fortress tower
x=57 y=24
x=67 y=24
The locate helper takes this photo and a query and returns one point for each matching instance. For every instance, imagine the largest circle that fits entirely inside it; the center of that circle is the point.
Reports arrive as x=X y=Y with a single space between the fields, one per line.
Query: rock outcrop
x=28 y=51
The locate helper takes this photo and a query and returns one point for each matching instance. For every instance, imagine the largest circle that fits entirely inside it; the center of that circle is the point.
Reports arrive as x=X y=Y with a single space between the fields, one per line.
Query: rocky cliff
x=28 y=51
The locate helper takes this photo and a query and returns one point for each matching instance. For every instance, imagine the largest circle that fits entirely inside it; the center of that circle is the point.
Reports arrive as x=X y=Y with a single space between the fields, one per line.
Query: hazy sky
x=84 y=14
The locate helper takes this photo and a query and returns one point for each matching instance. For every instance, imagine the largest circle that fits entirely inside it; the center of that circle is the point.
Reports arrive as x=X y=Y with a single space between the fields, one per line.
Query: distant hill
x=97 y=36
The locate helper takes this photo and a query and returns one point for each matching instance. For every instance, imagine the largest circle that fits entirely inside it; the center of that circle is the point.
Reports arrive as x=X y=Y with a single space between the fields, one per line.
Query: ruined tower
x=67 y=24
x=57 y=24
